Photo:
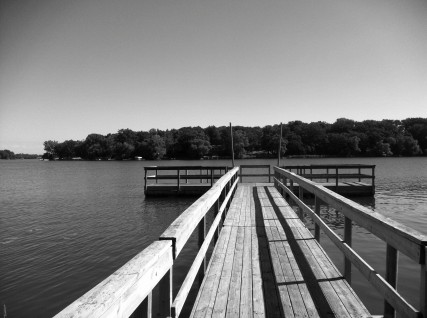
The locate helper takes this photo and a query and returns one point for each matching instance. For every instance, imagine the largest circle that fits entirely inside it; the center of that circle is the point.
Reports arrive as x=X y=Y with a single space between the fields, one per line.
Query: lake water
x=65 y=226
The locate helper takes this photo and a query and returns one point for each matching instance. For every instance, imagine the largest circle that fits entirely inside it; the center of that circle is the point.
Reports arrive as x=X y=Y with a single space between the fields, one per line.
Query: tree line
x=343 y=138
x=7 y=154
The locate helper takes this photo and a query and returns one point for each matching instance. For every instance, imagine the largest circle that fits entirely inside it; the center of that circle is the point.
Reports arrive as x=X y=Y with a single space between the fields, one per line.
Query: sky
x=76 y=67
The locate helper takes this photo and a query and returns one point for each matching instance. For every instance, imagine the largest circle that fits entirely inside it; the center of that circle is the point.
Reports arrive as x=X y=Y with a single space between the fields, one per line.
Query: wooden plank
x=246 y=308
x=123 y=291
x=233 y=303
x=257 y=294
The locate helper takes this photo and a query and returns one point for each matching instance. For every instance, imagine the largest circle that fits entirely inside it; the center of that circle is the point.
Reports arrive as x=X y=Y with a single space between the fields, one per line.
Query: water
x=65 y=226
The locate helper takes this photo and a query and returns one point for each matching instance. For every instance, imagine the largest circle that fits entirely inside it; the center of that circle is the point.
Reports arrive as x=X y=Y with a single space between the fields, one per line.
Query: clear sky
x=75 y=67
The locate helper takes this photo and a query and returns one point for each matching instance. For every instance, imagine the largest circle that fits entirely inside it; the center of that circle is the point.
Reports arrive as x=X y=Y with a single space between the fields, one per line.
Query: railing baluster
x=317 y=211
x=145 y=310
x=165 y=294
x=423 y=285
x=202 y=235
x=347 y=240
x=179 y=177
x=390 y=276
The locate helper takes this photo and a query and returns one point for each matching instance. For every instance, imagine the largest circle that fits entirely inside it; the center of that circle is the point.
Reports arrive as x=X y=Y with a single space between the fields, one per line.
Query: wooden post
x=145 y=180
x=186 y=176
x=216 y=210
x=241 y=174
x=280 y=146
x=145 y=310
x=391 y=277
x=156 y=175
x=360 y=179
x=212 y=176
x=347 y=239
x=269 y=174
x=336 y=179
x=373 y=180
x=327 y=174
x=317 y=211
x=179 y=177
x=232 y=146
x=165 y=294
x=301 y=197
x=202 y=235
x=423 y=285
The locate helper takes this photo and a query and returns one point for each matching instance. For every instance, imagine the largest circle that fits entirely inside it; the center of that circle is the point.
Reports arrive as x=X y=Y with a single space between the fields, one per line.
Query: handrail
x=269 y=174
x=129 y=289
x=397 y=236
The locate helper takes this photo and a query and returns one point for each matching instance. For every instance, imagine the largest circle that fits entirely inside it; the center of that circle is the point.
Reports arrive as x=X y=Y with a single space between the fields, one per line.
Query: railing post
x=165 y=294
x=186 y=175
x=241 y=174
x=216 y=210
x=212 y=176
x=145 y=180
x=390 y=276
x=301 y=197
x=373 y=180
x=327 y=174
x=360 y=179
x=317 y=211
x=423 y=285
x=202 y=235
x=347 y=240
x=156 y=175
x=179 y=177
x=145 y=310
x=269 y=174
x=336 y=179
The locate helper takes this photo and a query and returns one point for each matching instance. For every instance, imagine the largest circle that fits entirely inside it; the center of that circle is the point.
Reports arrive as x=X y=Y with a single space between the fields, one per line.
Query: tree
x=49 y=147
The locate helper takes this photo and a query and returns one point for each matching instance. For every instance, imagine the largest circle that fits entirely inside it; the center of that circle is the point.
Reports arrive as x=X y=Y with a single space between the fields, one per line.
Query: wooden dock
x=265 y=262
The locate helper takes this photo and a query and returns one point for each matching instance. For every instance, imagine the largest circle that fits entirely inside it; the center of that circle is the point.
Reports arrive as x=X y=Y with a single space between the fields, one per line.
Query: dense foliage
x=7 y=154
x=344 y=138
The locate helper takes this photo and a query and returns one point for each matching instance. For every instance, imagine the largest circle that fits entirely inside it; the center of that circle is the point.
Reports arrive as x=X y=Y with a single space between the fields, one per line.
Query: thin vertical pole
x=165 y=294
x=280 y=146
x=232 y=145
x=202 y=235
x=390 y=276
x=423 y=285
x=347 y=240
x=317 y=211
x=145 y=180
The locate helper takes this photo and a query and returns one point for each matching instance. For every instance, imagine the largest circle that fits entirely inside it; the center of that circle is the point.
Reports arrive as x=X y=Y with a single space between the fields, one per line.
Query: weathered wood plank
x=123 y=291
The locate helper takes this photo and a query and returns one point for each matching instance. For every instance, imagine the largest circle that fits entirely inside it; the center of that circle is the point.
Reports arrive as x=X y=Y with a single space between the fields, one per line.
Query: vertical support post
x=232 y=145
x=292 y=185
x=178 y=183
x=336 y=179
x=145 y=180
x=311 y=174
x=216 y=210
x=280 y=146
x=347 y=240
x=201 y=177
x=423 y=285
x=156 y=175
x=360 y=179
x=165 y=294
x=327 y=174
x=241 y=174
x=212 y=176
x=202 y=234
x=269 y=174
x=301 y=197
x=317 y=211
x=373 y=180
x=186 y=175
x=391 y=277
x=145 y=310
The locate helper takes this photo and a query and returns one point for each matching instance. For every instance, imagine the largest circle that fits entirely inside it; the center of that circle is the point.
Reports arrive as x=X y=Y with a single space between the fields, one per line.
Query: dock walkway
x=266 y=263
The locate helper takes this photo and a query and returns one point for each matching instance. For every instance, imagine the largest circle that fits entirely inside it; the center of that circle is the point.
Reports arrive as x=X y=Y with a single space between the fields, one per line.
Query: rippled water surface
x=65 y=226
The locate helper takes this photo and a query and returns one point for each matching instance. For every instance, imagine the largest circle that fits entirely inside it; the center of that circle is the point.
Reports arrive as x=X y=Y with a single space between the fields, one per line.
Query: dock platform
x=267 y=264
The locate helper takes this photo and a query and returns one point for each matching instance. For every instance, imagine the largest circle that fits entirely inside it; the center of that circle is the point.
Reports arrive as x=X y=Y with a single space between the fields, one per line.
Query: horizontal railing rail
x=256 y=173
x=398 y=237
x=128 y=291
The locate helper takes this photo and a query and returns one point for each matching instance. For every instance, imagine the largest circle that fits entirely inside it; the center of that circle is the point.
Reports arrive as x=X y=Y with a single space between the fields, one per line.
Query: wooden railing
x=335 y=172
x=184 y=173
x=128 y=291
x=399 y=238
x=255 y=174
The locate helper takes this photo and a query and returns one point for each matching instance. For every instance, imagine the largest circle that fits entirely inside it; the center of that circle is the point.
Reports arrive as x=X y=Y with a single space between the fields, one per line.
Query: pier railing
x=255 y=171
x=184 y=174
x=335 y=172
x=128 y=291
x=398 y=238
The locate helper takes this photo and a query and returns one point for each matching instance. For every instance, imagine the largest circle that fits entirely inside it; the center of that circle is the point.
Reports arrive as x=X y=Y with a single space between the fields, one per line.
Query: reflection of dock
x=265 y=262
x=347 y=180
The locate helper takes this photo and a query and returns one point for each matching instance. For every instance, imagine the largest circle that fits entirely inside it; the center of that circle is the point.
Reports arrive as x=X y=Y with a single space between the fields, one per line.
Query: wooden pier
x=265 y=262
x=348 y=180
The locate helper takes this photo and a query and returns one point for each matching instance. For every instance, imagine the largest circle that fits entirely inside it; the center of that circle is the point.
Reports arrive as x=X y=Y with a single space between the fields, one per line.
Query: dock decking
x=267 y=264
